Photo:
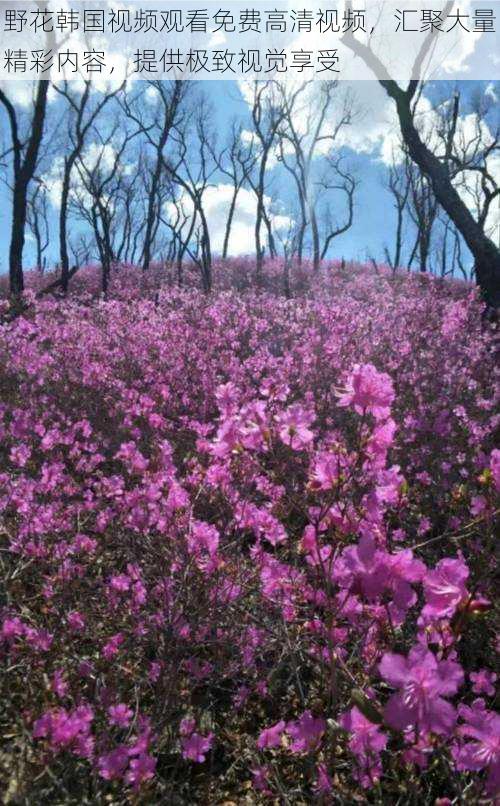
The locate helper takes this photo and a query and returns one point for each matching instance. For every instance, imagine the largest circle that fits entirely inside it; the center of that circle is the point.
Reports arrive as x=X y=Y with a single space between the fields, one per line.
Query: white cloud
x=374 y=128
x=95 y=153
x=216 y=201
x=19 y=92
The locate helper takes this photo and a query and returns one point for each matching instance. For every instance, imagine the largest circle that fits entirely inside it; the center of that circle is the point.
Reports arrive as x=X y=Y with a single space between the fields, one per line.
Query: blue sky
x=374 y=218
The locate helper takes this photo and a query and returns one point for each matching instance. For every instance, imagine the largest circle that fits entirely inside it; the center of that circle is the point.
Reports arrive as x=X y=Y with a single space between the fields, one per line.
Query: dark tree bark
x=25 y=160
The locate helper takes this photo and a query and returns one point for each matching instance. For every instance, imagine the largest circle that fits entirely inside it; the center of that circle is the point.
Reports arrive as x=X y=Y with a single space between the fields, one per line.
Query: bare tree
x=84 y=108
x=236 y=162
x=24 y=152
x=471 y=152
x=97 y=201
x=290 y=239
x=422 y=208
x=24 y=148
x=341 y=181
x=436 y=167
x=191 y=168
x=156 y=122
x=398 y=185
x=181 y=225
x=305 y=127
x=37 y=217
x=268 y=113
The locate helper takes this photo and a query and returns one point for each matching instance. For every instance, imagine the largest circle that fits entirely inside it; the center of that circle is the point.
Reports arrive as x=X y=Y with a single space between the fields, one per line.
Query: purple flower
x=58 y=685
x=423 y=682
x=366 y=743
x=306 y=732
x=444 y=589
x=112 y=647
x=120 y=715
x=261 y=780
x=483 y=751
x=195 y=747
x=495 y=467
x=76 y=621
x=112 y=765
x=368 y=390
x=66 y=729
x=187 y=726
x=203 y=538
x=12 y=628
x=142 y=768
x=324 y=783
x=483 y=682
x=271 y=737
x=294 y=425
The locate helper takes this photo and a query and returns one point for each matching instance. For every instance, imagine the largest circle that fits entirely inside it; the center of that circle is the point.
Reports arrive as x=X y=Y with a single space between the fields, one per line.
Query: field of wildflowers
x=247 y=543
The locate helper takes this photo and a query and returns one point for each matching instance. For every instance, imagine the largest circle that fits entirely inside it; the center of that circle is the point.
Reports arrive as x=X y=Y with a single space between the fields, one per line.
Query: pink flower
x=58 y=685
x=271 y=737
x=112 y=765
x=19 y=455
x=132 y=458
x=327 y=468
x=444 y=589
x=66 y=729
x=371 y=571
x=306 y=732
x=195 y=747
x=203 y=537
x=112 y=647
x=260 y=777
x=120 y=583
x=294 y=428
x=12 y=628
x=495 y=467
x=483 y=751
x=368 y=391
x=120 y=715
x=155 y=669
x=187 y=726
x=76 y=622
x=324 y=783
x=366 y=743
x=142 y=768
x=380 y=441
x=423 y=683
x=40 y=640
x=454 y=318
x=483 y=682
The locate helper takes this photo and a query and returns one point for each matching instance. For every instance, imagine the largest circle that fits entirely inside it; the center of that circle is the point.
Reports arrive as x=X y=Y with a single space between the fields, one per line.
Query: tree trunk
x=315 y=238
x=17 y=240
x=63 y=223
x=229 y=223
x=22 y=177
x=259 y=253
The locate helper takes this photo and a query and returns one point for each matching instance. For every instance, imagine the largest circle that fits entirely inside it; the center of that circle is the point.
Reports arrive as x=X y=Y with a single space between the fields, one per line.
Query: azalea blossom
x=195 y=747
x=366 y=742
x=445 y=589
x=120 y=715
x=305 y=732
x=481 y=749
x=271 y=737
x=368 y=391
x=423 y=683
